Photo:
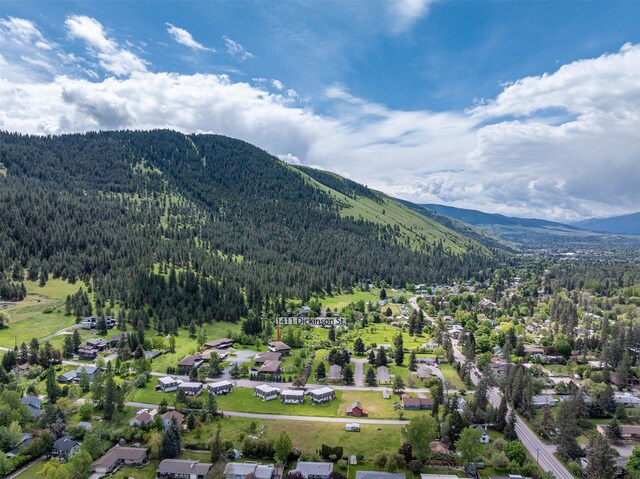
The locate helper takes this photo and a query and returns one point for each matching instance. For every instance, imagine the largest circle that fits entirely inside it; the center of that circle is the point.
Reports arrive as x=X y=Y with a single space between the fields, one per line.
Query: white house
x=292 y=396
x=220 y=387
x=266 y=392
x=167 y=384
x=321 y=395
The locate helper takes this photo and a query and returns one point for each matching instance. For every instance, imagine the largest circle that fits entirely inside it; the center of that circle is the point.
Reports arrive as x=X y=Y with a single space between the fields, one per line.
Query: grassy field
x=40 y=314
x=383 y=333
x=307 y=436
x=339 y=301
x=451 y=375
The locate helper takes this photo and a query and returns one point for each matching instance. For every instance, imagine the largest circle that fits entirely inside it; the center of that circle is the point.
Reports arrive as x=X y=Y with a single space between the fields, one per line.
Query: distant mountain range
x=625 y=224
x=532 y=233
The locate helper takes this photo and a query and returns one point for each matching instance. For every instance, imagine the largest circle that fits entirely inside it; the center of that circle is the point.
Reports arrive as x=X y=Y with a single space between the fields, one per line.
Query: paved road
x=358 y=375
x=414 y=303
x=283 y=417
x=61 y=331
x=541 y=452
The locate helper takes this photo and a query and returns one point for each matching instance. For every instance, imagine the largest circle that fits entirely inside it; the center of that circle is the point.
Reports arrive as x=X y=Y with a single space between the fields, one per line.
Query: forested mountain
x=201 y=227
x=625 y=224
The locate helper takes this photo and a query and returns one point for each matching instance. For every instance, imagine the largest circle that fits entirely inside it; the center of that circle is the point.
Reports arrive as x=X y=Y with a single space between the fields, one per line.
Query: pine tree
x=600 y=459
x=413 y=361
x=332 y=334
x=321 y=372
x=83 y=381
x=67 y=347
x=358 y=346
x=371 y=379
x=110 y=398
x=216 y=447
x=172 y=442
x=398 y=384
x=53 y=389
x=399 y=351
x=372 y=357
x=613 y=430
x=510 y=433
x=77 y=340
x=381 y=357
x=347 y=374
x=212 y=404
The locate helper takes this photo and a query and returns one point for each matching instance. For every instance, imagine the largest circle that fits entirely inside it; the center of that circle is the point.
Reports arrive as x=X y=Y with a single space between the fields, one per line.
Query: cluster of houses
x=168 y=384
x=145 y=416
x=266 y=392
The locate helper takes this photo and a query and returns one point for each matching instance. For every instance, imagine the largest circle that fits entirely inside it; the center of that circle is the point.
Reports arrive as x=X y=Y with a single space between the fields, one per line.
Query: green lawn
x=149 y=395
x=383 y=333
x=558 y=369
x=146 y=472
x=340 y=301
x=307 y=436
x=242 y=399
x=451 y=375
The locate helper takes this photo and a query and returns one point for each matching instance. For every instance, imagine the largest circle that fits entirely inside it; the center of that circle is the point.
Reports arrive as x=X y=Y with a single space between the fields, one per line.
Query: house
x=98 y=344
x=24 y=442
x=86 y=353
x=462 y=403
x=262 y=358
x=118 y=456
x=438 y=446
x=386 y=394
x=423 y=372
x=628 y=432
x=190 y=388
x=486 y=303
x=34 y=405
x=167 y=384
x=314 y=470
x=222 y=343
x=431 y=362
x=220 y=353
x=484 y=439
x=380 y=475
x=383 y=375
x=188 y=362
x=411 y=403
x=64 y=448
x=169 y=416
x=143 y=416
x=626 y=399
x=115 y=338
x=356 y=410
x=270 y=367
x=220 y=387
x=266 y=392
x=352 y=427
x=430 y=345
x=279 y=347
x=292 y=396
x=183 y=469
x=152 y=354
x=67 y=378
x=322 y=395
x=541 y=401
x=90 y=370
x=240 y=470
x=335 y=373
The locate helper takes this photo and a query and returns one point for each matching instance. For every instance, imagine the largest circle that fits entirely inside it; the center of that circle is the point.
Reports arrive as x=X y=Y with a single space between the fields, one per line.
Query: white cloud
x=24 y=31
x=236 y=50
x=185 y=38
x=561 y=145
x=405 y=13
x=111 y=56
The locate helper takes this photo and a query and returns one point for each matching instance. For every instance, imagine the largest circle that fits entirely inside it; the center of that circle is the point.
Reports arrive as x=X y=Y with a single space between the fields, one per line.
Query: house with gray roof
x=34 y=405
x=64 y=448
x=183 y=469
x=314 y=470
x=240 y=470
x=384 y=377
x=335 y=373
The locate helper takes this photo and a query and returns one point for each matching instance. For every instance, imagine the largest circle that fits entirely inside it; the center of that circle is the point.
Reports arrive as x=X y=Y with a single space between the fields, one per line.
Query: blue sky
x=516 y=107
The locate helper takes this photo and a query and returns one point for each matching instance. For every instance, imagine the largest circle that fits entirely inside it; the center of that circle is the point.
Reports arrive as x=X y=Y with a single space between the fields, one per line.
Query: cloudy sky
x=524 y=108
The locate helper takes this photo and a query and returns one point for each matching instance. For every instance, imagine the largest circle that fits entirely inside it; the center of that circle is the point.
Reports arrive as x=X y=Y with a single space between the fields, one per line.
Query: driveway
x=358 y=375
